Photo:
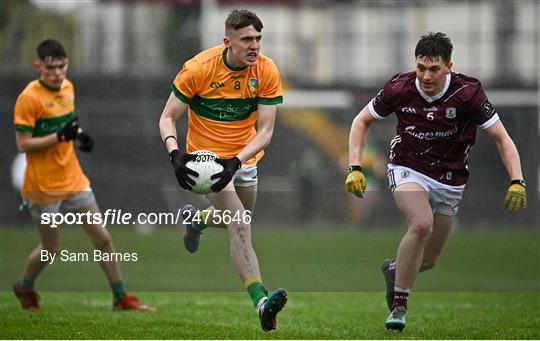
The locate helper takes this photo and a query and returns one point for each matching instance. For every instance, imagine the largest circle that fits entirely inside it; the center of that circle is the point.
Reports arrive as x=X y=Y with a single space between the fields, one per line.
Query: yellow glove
x=516 y=196
x=356 y=181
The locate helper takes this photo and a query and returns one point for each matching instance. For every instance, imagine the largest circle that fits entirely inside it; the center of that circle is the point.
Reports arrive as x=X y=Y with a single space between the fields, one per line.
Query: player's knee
x=422 y=228
x=102 y=241
x=51 y=249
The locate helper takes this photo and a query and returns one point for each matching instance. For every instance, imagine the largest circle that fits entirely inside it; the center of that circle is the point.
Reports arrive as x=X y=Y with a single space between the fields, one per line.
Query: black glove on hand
x=179 y=161
x=86 y=142
x=230 y=166
x=69 y=131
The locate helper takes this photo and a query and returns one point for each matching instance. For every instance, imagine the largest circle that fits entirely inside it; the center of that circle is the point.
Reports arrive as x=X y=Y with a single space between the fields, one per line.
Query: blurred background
x=333 y=56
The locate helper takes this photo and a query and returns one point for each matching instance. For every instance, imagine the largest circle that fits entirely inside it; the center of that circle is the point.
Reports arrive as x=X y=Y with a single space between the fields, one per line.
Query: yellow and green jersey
x=52 y=174
x=223 y=100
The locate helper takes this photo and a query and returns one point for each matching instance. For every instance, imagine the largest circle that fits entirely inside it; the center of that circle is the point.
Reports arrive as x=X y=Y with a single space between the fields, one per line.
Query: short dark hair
x=50 y=48
x=240 y=18
x=433 y=45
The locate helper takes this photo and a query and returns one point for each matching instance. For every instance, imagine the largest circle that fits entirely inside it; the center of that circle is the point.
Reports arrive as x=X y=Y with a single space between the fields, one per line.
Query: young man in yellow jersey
x=228 y=89
x=45 y=129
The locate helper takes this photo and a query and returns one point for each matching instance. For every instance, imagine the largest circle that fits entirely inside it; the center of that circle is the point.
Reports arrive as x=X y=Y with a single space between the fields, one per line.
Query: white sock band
x=398 y=289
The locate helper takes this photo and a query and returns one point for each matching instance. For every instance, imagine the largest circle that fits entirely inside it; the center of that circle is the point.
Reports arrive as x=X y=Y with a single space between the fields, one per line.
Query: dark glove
x=69 y=131
x=86 y=142
x=179 y=161
x=230 y=166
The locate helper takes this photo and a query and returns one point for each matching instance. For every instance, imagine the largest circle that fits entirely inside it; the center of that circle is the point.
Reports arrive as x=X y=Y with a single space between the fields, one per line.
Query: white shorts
x=79 y=200
x=246 y=176
x=444 y=199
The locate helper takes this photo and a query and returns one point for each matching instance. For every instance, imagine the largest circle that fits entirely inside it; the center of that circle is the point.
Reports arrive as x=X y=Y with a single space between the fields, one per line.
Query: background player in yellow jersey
x=228 y=89
x=46 y=127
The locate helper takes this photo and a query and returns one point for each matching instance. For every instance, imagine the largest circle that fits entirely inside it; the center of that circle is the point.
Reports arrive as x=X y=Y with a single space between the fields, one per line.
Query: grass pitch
x=205 y=315
x=486 y=286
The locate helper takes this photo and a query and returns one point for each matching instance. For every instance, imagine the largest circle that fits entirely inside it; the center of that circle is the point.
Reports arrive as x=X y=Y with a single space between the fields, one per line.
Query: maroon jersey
x=434 y=134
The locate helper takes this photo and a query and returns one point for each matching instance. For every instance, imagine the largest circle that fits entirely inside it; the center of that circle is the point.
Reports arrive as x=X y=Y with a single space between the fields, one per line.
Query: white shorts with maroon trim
x=444 y=199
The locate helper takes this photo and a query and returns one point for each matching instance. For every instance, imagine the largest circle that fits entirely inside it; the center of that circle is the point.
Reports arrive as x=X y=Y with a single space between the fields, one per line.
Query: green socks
x=118 y=290
x=27 y=284
x=256 y=291
x=199 y=221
